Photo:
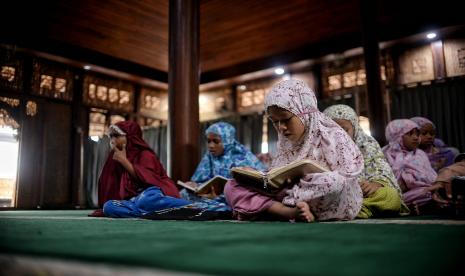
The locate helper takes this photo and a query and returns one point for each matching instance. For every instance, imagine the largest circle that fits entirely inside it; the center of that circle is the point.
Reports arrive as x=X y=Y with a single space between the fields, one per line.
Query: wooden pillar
x=79 y=121
x=375 y=86
x=183 y=79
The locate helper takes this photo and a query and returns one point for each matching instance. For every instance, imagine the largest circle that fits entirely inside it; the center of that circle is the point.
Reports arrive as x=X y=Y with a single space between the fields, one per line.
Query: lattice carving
x=11 y=67
x=52 y=80
x=109 y=94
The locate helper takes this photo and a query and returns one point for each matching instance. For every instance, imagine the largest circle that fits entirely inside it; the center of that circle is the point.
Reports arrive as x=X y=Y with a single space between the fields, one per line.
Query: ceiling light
x=279 y=71
x=242 y=87
x=87 y=67
x=431 y=35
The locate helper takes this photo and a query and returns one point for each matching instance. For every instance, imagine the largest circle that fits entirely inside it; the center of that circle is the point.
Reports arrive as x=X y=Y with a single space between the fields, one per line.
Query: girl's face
x=286 y=123
x=215 y=145
x=347 y=126
x=118 y=141
x=411 y=139
x=427 y=135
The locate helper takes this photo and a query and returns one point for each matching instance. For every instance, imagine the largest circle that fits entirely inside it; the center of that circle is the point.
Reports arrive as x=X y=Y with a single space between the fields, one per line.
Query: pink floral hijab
x=403 y=160
x=324 y=141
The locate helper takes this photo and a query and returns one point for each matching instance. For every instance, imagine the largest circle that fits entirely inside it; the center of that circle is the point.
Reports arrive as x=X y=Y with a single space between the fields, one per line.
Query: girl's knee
x=393 y=201
x=109 y=207
x=152 y=192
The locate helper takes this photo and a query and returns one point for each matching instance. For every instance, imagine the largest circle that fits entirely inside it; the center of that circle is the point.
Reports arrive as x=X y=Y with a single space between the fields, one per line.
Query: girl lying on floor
x=381 y=193
x=304 y=133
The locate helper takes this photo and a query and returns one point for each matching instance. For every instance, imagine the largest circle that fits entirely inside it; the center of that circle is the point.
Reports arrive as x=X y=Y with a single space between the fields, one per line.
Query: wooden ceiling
x=236 y=36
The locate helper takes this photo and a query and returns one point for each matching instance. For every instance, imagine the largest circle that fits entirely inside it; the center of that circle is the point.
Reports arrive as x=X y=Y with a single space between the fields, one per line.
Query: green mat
x=233 y=248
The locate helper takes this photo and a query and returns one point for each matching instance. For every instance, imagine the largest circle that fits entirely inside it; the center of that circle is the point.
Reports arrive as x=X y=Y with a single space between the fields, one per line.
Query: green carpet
x=272 y=248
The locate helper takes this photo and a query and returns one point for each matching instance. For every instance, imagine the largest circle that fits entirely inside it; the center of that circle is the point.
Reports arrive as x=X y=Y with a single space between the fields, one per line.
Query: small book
x=276 y=179
x=216 y=182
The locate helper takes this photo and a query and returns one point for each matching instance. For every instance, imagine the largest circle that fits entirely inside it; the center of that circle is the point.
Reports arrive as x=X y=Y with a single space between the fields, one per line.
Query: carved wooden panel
x=416 y=65
x=454 y=54
x=215 y=104
x=52 y=80
x=108 y=93
x=10 y=70
x=154 y=104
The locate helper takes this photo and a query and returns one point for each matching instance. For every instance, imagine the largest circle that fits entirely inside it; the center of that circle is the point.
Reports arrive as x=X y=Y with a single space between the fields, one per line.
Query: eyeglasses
x=278 y=123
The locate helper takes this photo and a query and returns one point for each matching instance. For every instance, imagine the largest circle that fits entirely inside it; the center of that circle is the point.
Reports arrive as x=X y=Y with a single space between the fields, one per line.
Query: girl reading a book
x=304 y=133
x=411 y=165
x=224 y=153
x=381 y=193
x=439 y=154
x=133 y=181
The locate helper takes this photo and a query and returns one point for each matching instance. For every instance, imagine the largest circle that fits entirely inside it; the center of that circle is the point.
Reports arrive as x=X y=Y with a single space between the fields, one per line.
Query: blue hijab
x=235 y=155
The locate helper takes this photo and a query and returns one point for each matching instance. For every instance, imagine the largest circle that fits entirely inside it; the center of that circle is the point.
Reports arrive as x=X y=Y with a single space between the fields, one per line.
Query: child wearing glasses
x=304 y=133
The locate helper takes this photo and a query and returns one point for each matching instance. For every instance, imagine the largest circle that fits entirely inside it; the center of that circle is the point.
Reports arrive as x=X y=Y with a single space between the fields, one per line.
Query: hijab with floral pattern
x=377 y=169
x=414 y=163
x=323 y=140
x=331 y=195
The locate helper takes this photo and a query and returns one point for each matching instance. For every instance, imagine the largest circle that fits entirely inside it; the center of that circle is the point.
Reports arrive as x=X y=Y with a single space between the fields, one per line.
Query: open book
x=216 y=182
x=277 y=178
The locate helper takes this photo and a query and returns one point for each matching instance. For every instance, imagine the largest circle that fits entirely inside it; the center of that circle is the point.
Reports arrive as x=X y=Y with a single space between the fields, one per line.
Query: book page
x=247 y=171
x=191 y=186
x=217 y=183
x=249 y=176
x=293 y=171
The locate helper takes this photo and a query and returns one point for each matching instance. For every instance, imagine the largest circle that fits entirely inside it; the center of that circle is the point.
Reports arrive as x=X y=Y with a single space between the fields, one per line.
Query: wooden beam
x=375 y=86
x=85 y=56
x=183 y=81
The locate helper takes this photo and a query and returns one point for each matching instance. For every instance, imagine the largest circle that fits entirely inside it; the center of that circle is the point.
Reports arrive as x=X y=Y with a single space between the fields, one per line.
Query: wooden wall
x=45 y=158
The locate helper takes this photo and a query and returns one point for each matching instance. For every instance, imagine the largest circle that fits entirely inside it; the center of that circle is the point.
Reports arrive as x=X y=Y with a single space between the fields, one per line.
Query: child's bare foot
x=304 y=213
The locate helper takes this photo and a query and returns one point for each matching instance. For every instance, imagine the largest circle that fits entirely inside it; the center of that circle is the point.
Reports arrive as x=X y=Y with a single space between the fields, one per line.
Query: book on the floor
x=277 y=178
x=217 y=183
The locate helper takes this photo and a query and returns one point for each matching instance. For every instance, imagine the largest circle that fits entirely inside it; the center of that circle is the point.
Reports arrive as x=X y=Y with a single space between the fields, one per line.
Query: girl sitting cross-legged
x=381 y=193
x=304 y=133
x=410 y=164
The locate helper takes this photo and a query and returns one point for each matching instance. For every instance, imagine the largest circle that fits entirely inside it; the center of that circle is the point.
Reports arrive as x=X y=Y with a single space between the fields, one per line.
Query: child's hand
x=436 y=186
x=369 y=188
x=211 y=194
x=120 y=154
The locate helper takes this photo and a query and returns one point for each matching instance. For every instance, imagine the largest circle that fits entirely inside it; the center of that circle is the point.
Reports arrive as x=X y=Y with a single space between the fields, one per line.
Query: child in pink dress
x=410 y=165
x=304 y=133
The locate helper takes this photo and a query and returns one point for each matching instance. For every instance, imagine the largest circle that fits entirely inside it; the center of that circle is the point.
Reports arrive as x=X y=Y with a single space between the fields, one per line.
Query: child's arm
x=120 y=156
